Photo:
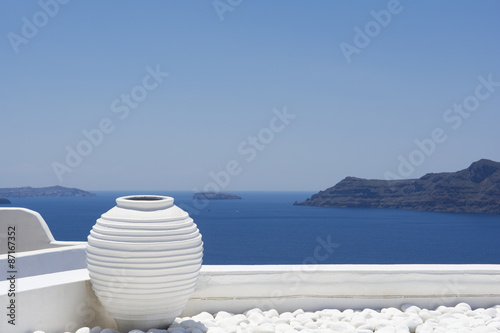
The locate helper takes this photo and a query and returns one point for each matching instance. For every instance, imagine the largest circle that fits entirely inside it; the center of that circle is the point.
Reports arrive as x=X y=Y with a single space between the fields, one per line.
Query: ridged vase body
x=144 y=257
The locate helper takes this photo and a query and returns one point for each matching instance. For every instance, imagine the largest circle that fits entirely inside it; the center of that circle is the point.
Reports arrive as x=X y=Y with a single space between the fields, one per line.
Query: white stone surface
x=144 y=258
x=406 y=319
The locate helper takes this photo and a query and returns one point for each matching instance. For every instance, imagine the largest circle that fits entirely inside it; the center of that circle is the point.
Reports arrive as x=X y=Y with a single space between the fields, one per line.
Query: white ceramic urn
x=144 y=257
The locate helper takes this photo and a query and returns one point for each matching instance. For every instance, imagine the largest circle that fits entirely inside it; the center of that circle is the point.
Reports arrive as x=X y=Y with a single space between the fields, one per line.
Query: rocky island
x=4 y=201
x=215 y=196
x=472 y=190
x=52 y=191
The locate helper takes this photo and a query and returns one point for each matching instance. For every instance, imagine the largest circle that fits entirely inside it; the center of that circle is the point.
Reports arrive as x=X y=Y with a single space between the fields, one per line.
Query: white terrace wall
x=29 y=230
x=44 y=281
x=291 y=287
x=53 y=292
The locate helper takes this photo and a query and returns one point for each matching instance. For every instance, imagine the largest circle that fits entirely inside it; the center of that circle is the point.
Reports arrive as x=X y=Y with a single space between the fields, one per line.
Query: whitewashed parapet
x=31 y=232
x=290 y=287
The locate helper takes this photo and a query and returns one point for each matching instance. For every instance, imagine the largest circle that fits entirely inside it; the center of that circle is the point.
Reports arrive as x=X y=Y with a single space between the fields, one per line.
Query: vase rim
x=145 y=202
x=143 y=198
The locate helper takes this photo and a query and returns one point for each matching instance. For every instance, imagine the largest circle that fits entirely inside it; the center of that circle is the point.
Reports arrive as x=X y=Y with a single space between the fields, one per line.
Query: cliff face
x=52 y=191
x=472 y=190
x=215 y=196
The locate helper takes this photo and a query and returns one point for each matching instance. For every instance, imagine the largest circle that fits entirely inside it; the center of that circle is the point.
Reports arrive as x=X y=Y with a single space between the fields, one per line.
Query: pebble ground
x=409 y=318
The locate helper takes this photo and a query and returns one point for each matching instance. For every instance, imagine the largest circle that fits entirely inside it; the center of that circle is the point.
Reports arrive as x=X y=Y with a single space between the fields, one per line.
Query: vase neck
x=145 y=202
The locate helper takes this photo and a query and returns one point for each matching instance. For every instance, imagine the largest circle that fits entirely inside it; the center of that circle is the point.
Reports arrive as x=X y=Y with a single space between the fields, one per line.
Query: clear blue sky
x=360 y=100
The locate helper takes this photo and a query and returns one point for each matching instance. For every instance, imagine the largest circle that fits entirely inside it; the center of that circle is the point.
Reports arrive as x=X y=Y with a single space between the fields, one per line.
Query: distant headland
x=215 y=196
x=472 y=190
x=4 y=201
x=52 y=191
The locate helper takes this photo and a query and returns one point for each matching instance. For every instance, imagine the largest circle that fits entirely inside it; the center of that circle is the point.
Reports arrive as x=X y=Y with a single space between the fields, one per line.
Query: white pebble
x=330 y=313
x=233 y=329
x=386 y=329
x=304 y=317
x=402 y=329
x=223 y=314
x=278 y=320
x=392 y=312
x=238 y=320
x=203 y=317
x=348 y=313
x=490 y=312
x=286 y=315
x=412 y=322
x=463 y=307
x=369 y=313
x=135 y=331
x=266 y=328
x=216 y=330
x=350 y=330
x=311 y=325
x=339 y=326
x=257 y=318
x=83 y=330
x=284 y=328
x=412 y=309
x=494 y=324
x=368 y=326
x=427 y=314
x=425 y=328
x=271 y=313
x=406 y=306
x=298 y=326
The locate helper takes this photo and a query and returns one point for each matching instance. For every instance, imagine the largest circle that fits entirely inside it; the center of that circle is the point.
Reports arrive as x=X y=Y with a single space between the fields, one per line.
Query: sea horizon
x=266 y=228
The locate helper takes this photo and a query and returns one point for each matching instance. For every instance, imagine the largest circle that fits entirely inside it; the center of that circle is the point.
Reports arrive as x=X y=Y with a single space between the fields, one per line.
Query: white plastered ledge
x=290 y=287
x=31 y=231
x=54 y=303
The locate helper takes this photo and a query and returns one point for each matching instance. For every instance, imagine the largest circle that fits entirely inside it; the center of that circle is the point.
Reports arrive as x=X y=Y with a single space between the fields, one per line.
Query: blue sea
x=265 y=228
